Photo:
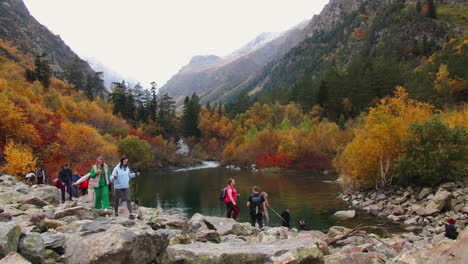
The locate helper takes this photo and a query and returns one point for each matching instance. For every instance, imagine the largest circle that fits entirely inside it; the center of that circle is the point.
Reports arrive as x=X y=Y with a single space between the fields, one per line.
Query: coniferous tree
x=153 y=103
x=73 y=74
x=190 y=117
x=94 y=85
x=431 y=9
x=42 y=70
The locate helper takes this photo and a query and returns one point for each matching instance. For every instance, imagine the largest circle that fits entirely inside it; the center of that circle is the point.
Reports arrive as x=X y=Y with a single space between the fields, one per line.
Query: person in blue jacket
x=121 y=176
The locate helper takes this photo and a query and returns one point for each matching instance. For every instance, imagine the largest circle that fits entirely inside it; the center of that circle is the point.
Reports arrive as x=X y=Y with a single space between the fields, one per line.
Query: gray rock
x=53 y=239
x=59 y=213
x=14 y=258
x=11 y=197
x=449 y=186
x=47 y=193
x=9 y=238
x=412 y=221
x=381 y=197
x=113 y=240
x=441 y=199
x=244 y=229
x=31 y=246
x=303 y=250
x=35 y=201
x=345 y=214
x=393 y=218
x=426 y=211
x=197 y=221
x=222 y=225
x=361 y=258
x=336 y=231
x=205 y=235
x=424 y=192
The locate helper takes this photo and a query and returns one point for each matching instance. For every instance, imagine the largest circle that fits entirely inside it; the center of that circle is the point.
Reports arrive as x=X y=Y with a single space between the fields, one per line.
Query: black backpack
x=256 y=202
x=222 y=194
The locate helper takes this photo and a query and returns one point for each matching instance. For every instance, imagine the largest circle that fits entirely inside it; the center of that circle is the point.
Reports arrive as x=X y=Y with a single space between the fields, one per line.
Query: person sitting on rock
x=303 y=226
x=451 y=229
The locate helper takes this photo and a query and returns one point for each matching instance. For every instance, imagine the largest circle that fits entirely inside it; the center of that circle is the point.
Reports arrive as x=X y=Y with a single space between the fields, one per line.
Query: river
x=310 y=196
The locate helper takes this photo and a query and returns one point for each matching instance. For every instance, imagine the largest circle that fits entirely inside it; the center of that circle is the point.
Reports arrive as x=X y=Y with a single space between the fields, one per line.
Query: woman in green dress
x=99 y=180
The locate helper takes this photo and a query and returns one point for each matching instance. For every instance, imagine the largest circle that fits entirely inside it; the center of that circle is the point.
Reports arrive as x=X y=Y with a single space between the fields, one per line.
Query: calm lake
x=309 y=196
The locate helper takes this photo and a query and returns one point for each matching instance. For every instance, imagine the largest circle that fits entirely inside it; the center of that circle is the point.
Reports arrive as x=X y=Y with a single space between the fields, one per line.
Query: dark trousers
x=232 y=210
x=84 y=191
x=69 y=190
x=256 y=217
x=123 y=194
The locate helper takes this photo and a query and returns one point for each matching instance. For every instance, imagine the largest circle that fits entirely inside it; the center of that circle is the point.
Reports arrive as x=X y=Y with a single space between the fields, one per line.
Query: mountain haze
x=215 y=78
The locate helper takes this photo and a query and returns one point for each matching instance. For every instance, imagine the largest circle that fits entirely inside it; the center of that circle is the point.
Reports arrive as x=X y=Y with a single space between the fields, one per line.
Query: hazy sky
x=151 y=40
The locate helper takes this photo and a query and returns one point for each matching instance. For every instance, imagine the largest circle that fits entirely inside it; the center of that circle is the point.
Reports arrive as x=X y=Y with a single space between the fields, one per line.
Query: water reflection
x=309 y=196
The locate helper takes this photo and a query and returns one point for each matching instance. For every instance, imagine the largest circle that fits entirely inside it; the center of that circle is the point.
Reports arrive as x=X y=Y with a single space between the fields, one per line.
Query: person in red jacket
x=230 y=200
x=84 y=187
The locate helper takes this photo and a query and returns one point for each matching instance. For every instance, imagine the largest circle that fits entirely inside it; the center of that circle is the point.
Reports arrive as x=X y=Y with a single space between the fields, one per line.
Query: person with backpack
x=230 y=200
x=255 y=203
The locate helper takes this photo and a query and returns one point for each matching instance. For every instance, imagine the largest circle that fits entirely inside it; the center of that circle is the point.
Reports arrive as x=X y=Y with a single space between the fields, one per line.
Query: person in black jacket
x=451 y=229
x=286 y=218
x=65 y=177
x=255 y=203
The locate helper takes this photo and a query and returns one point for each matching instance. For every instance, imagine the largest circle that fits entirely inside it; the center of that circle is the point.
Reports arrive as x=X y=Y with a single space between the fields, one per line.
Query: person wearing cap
x=451 y=229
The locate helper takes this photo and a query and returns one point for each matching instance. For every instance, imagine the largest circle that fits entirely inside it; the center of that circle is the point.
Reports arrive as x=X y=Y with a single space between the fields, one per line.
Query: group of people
x=100 y=182
x=258 y=206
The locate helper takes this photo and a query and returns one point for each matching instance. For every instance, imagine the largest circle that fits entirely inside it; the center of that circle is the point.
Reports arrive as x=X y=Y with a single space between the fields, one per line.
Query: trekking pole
x=277 y=213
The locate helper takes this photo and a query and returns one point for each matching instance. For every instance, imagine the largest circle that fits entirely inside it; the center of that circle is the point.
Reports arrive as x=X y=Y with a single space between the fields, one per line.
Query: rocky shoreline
x=422 y=210
x=36 y=228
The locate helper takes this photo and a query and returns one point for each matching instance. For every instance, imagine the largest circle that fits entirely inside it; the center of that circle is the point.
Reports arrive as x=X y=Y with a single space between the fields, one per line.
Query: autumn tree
x=19 y=160
x=369 y=159
x=14 y=123
x=136 y=150
x=42 y=70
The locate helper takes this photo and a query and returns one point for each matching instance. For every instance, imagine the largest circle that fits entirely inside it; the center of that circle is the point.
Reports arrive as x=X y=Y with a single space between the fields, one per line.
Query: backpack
x=222 y=194
x=256 y=203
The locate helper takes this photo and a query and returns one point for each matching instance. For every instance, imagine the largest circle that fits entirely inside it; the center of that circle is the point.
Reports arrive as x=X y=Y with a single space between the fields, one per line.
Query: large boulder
x=34 y=201
x=356 y=257
x=11 y=197
x=46 y=193
x=244 y=229
x=78 y=211
x=445 y=251
x=31 y=246
x=302 y=250
x=9 y=238
x=197 y=221
x=206 y=235
x=222 y=225
x=345 y=214
x=113 y=240
x=440 y=200
x=14 y=258
x=53 y=239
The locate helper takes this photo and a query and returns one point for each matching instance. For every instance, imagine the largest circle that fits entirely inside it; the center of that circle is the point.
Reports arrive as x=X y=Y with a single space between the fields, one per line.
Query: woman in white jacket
x=121 y=176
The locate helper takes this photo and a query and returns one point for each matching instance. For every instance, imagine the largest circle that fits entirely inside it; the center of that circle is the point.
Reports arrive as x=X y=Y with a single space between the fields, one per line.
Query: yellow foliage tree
x=14 y=124
x=370 y=157
x=19 y=160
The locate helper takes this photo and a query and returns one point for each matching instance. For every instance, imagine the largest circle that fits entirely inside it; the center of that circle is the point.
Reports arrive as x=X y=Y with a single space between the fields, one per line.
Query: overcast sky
x=151 y=40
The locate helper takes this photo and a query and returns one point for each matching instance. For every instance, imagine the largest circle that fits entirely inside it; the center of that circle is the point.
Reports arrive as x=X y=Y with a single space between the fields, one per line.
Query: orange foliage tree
x=370 y=157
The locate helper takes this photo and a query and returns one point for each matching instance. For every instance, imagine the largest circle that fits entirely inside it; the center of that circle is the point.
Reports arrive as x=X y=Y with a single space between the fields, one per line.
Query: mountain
x=215 y=78
x=27 y=34
x=109 y=75
x=348 y=30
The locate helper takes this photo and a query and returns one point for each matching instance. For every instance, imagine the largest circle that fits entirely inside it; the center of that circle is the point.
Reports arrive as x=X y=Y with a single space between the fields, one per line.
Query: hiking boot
x=131 y=217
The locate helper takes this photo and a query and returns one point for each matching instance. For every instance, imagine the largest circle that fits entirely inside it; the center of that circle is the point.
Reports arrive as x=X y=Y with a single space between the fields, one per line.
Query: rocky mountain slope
x=25 y=32
x=367 y=28
x=215 y=78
